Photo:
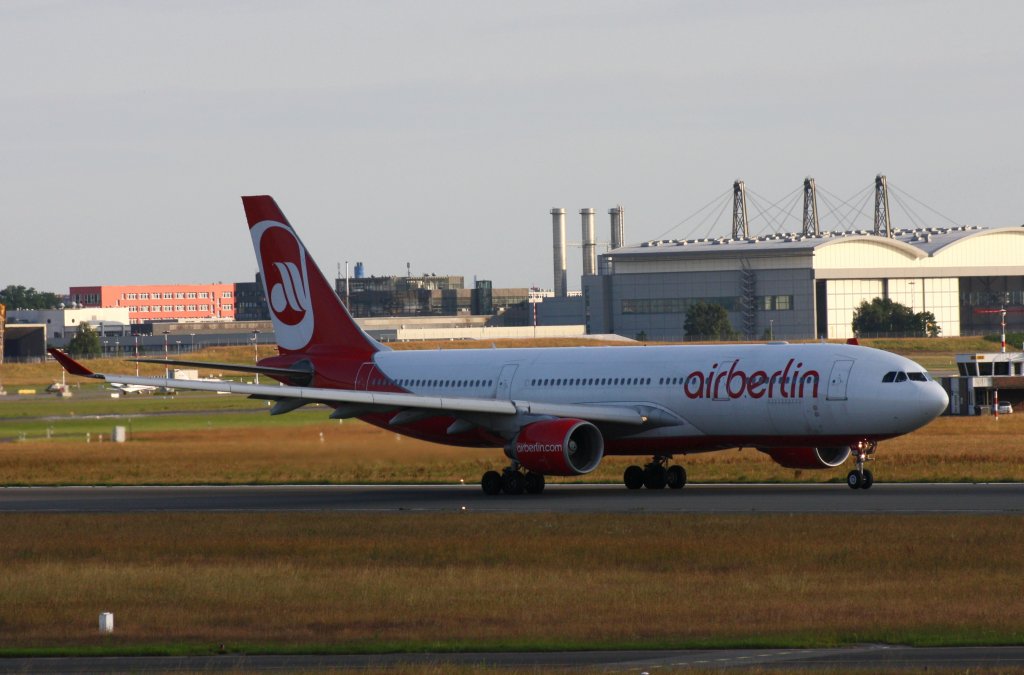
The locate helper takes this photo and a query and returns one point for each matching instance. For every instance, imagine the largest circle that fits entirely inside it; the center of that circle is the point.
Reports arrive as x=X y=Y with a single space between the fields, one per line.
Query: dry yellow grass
x=344 y=579
x=949 y=449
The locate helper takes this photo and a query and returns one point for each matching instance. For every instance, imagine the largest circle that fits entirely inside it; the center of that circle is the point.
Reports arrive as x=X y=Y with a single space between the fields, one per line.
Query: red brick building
x=162 y=302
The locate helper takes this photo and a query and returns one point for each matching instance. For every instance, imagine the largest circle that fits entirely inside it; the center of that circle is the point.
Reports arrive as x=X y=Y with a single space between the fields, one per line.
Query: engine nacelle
x=562 y=447
x=808 y=458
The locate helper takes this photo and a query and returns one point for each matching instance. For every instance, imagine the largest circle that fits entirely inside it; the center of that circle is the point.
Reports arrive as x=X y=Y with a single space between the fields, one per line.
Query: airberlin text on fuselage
x=788 y=382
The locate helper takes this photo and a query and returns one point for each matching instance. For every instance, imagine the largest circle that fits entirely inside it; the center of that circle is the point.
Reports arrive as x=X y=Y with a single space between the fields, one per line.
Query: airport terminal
x=805 y=285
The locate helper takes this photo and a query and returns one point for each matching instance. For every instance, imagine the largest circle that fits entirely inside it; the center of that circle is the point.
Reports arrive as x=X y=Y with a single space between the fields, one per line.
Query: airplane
x=132 y=388
x=559 y=411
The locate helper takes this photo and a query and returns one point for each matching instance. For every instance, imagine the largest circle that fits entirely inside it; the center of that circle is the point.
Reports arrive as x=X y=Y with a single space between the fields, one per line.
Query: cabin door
x=838 y=380
x=503 y=391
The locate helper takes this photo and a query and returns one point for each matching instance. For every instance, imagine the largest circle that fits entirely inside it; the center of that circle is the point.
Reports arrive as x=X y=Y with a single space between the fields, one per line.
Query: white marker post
x=106 y=623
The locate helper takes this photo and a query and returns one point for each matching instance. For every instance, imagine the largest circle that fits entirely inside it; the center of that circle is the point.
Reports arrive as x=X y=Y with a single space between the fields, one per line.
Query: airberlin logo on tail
x=282 y=260
x=733 y=382
x=290 y=293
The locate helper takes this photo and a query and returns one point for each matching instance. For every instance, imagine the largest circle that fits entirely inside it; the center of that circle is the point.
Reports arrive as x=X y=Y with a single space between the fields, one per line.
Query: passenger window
x=889 y=377
x=901 y=376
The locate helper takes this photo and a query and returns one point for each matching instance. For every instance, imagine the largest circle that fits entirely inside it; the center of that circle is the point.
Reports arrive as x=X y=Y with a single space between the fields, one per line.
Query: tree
x=882 y=316
x=708 y=321
x=19 y=297
x=85 y=343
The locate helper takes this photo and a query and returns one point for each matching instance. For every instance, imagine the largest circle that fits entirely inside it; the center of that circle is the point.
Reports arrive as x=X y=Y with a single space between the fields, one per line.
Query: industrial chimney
x=618 y=227
x=558 y=236
x=589 y=242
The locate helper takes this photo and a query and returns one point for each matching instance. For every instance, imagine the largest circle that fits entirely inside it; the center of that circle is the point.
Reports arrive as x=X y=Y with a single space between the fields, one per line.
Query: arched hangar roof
x=912 y=247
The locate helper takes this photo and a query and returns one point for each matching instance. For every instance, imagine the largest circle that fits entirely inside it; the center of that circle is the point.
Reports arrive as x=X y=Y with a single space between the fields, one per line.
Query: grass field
x=241 y=443
x=320 y=581
x=187 y=583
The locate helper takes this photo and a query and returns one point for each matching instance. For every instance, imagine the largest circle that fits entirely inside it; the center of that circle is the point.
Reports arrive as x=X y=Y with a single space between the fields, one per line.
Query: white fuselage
x=719 y=395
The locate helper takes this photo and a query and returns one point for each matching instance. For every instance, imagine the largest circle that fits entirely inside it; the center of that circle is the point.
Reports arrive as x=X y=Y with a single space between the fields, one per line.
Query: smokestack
x=558 y=236
x=618 y=227
x=589 y=242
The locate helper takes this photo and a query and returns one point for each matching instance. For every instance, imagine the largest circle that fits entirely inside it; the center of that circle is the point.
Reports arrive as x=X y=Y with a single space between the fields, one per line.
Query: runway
x=961 y=498
x=862 y=657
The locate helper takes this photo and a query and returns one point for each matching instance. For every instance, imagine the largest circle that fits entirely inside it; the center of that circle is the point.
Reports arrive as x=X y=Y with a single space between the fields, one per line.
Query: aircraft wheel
x=655 y=477
x=491 y=482
x=854 y=479
x=513 y=483
x=633 y=477
x=869 y=480
x=676 y=477
x=534 y=483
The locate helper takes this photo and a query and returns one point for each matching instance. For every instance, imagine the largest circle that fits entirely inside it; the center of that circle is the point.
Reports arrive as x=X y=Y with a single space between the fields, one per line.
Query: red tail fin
x=308 y=316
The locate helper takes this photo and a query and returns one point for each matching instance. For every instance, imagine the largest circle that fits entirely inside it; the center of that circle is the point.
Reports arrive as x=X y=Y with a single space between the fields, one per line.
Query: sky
x=440 y=134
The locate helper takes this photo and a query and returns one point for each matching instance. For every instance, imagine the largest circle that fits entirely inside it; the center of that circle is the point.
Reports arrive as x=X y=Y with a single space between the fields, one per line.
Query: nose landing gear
x=861 y=478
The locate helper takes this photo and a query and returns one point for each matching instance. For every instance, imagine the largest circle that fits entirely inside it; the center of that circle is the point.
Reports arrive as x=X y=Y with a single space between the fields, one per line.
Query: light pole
x=178 y=342
x=771 y=329
x=256 y=351
x=167 y=372
x=192 y=348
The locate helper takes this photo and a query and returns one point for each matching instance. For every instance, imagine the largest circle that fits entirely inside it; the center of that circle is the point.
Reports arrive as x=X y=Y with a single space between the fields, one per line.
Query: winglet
x=852 y=341
x=70 y=365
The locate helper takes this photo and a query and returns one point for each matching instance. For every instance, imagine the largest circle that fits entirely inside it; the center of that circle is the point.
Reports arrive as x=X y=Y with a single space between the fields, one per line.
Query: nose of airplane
x=931 y=403
x=940 y=399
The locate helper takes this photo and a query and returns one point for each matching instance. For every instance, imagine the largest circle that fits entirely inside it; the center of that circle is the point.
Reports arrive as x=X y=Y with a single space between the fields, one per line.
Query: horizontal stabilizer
x=298 y=375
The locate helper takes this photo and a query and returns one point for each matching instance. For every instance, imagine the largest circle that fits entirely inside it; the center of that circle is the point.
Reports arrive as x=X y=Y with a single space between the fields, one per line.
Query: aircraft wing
x=289 y=398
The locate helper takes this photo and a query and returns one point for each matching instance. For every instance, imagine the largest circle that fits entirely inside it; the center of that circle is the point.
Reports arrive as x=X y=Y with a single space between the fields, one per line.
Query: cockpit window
x=901 y=376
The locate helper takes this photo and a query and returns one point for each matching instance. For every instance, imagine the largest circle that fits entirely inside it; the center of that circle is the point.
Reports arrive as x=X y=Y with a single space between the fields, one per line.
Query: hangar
x=807 y=285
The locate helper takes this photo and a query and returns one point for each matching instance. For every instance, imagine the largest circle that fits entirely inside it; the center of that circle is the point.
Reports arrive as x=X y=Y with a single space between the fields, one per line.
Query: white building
x=793 y=286
x=62 y=324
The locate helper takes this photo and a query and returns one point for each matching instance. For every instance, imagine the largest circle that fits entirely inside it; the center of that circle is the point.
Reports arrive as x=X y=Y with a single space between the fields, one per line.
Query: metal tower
x=882 y=219
x=811 y=225
x=740 y=227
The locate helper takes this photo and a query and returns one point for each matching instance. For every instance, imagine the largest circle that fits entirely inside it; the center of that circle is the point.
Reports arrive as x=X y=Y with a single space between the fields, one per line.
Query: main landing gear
x=861 y=478
x=512 y=481
x=656 y=475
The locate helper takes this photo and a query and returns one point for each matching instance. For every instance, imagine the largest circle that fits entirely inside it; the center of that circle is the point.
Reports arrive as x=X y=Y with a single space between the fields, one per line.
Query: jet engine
x=808 y=458
x=562 y=447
